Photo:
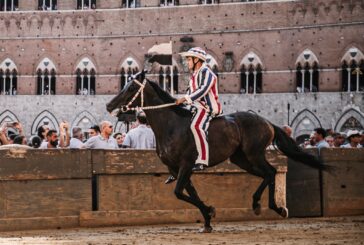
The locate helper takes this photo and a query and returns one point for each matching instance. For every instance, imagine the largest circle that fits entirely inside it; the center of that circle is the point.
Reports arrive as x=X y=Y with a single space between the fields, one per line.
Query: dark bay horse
x=241 y=137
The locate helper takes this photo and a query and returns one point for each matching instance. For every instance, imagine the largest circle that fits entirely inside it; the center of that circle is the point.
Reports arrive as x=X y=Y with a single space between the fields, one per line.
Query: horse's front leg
x=184 y=182
x=210 y=209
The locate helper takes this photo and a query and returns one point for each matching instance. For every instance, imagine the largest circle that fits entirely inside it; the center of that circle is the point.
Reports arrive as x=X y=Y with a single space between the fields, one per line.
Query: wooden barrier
x=340 y=192
x=303 y=189
x=131 y=190
x=343 y=189
x=43 y=188
x=54 y=188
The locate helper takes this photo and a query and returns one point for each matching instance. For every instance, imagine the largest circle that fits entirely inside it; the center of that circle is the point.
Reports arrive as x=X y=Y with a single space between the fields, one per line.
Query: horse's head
x=128 y=97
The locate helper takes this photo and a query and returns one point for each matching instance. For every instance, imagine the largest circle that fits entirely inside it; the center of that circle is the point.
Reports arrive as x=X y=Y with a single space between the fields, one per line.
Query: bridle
x=128 y=107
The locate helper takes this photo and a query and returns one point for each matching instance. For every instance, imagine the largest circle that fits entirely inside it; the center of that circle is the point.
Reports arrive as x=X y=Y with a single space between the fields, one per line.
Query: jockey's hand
x=180 y=101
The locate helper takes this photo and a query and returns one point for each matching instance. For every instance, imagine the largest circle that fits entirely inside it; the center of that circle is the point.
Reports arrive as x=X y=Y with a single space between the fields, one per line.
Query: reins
x=128 y=107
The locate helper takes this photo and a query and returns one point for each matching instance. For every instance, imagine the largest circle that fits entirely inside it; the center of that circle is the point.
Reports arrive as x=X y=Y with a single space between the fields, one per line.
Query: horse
x=241 y=137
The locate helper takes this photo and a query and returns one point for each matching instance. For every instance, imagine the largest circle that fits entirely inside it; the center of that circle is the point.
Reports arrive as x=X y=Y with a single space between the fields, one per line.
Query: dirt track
x=344 y=230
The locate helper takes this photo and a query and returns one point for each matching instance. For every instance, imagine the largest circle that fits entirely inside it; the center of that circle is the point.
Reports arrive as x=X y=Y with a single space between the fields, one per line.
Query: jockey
x=203 y=98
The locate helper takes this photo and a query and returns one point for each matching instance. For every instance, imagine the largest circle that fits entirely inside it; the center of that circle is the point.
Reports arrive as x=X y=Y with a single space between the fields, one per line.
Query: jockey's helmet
x=195 y=52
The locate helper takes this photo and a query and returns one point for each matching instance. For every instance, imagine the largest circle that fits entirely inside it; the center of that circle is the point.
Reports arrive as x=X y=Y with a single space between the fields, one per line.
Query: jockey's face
x=191 y=61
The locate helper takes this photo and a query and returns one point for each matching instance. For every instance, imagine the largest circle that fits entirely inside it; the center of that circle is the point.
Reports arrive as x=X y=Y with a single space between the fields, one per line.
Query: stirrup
x=198 y=167
x=170 y=179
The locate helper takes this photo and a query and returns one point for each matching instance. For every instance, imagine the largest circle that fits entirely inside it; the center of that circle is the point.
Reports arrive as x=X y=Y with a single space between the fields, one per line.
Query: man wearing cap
x=354 y=139
x=203 y=98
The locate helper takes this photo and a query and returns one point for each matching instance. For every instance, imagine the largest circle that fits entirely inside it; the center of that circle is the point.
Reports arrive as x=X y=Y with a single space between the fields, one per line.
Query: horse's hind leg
x=239 y=159
x=269 y=173
x=282 y=211
x=184 y=182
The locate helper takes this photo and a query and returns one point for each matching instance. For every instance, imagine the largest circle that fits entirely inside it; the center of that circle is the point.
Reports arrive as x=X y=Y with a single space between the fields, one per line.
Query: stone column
x=246 y=82
x=164 y=81
x=172 y=86
x=11 y=85
x=89 y=84
x=303 y=81
x=82 y=77
x=349 y=79
x=311 y=73
x=126 y=79
x=357 y=78
x=255 y=82
x=82 y=4
x=4 y=83
x=5 y=5
x=42 y=88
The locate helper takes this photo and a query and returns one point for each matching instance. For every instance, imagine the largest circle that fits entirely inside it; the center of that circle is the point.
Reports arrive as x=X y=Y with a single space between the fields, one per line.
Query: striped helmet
x=195 y=52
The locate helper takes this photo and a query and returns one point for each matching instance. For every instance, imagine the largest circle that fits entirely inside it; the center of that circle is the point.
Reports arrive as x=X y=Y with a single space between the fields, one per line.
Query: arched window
x=128 y=68
x=307 y=72
x=8 y=78
x=86 y=78
x=169 y=3
x=208 y=1
x=251 y=78
x=353 y=71
x=9 y=5
x=47 y=4
x=46 y=82
x=168 y=80
x=86 y=4
x=130 y=3
x=46 y=77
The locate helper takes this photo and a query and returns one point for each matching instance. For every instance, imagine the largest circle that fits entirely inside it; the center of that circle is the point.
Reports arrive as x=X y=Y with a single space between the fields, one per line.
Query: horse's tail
x=289 y=147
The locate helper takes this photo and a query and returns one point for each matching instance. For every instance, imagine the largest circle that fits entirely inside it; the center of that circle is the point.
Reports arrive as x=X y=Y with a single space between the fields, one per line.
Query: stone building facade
x=271 y=51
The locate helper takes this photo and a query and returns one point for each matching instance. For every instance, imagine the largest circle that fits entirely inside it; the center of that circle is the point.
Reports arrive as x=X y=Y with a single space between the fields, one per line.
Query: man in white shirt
x=141 y=137
x=320 y=135
x=77 y=138
x=354 y=139
x=103 y=140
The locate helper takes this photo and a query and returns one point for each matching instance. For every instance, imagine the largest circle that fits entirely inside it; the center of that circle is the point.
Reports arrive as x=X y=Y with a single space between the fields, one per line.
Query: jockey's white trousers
x=199 y=126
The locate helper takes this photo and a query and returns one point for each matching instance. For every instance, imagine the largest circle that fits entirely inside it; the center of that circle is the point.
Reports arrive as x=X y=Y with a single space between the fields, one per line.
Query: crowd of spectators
x=321 y=138
x=103 y=136
x=140 y=136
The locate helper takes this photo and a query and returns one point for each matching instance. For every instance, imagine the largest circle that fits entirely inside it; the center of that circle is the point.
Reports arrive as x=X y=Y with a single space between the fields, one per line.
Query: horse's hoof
x=212 y=212
x=258 y=210
x=284 y=212
x=206 y=229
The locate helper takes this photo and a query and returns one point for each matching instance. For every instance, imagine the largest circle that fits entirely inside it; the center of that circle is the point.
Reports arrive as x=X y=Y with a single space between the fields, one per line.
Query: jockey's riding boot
x=198 y=167
x=170 y=179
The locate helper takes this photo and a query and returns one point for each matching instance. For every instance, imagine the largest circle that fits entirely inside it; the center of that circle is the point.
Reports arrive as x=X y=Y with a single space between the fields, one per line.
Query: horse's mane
x=167 y=98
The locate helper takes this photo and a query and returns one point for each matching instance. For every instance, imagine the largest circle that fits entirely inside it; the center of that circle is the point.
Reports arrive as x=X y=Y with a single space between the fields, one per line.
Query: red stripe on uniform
x=203 y=147
x=193 y=84
x=216 y=97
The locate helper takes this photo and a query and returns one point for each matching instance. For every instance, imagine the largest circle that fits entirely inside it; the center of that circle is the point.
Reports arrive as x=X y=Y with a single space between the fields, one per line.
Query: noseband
x=128 y=107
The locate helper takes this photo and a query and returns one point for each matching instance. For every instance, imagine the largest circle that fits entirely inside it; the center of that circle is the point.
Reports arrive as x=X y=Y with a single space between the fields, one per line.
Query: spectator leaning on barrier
x=354 y=139
x=93 y=131
x=103 y=140
x=119 y=139
x=77 y=138
x=52 y=139
x=320 y=135
x=339 y=140
x=20 y=140
x=141 y=137
x=330 y=140
x=42 y=132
